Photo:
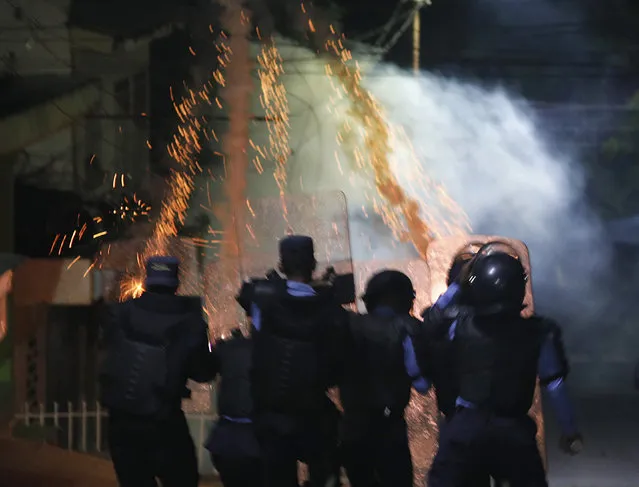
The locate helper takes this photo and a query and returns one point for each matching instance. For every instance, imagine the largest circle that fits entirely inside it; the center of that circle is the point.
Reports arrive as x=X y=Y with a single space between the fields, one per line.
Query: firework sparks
x=191 y=135
x=275 y=103
x=401 y=212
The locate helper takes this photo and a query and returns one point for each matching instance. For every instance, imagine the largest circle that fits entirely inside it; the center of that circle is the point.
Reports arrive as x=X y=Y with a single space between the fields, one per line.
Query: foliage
x=615 y=171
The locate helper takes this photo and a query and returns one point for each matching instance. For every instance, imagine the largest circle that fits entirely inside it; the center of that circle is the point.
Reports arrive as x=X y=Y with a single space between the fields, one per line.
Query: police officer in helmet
x=498 y=356
x=435 y=355
x=298 y=331
x=376 y=386
x=153 y=344
x=234 y=448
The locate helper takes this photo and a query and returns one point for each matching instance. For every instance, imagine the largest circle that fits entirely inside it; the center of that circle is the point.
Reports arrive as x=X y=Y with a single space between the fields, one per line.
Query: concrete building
x=74 y=103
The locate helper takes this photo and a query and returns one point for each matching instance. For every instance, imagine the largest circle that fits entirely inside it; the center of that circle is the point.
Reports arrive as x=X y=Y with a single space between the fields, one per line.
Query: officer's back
x=376 y=385
x=153 y=345
x=498 y=355
x=234 y=392
x=296 y=346
x=234 y=449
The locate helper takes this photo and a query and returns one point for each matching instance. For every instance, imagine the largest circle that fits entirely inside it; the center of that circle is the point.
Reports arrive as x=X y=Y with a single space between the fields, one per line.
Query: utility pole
x=419 y=4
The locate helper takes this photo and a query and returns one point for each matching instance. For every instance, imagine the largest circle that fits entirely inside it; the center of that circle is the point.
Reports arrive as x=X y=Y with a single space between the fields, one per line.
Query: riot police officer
x=376 y=386
x=296 y=339
x=435 y=355
x=498 y=355
x=153 y=345
x=234 y=449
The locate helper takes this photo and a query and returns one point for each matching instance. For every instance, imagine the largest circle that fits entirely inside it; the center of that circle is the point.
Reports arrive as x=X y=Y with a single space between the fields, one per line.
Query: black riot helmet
x=390 y=288
x=496 y=283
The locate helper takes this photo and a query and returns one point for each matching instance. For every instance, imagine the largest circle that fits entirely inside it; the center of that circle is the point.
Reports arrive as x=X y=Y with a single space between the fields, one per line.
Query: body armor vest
x=290 y=373
x=234 y=393
x=443 y=373
x=497 y=362
x=436 y=356
x=143 y=372
x=375 y=380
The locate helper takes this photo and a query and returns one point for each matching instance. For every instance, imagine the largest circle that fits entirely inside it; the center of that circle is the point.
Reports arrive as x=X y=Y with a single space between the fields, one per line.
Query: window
x=140 y=93
x=123 y=95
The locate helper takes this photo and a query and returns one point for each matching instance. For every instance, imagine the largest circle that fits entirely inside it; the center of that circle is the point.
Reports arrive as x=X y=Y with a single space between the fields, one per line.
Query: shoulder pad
x=191 y=303
x=265 y=290
x=245 y=296
x=408 y=324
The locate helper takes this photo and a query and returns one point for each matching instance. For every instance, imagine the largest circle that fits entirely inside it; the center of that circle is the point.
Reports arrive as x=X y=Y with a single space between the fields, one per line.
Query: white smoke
x=483 y=145
x=491 y=155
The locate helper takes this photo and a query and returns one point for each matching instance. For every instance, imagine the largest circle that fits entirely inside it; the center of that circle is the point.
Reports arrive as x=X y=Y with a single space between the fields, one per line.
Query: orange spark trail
x=401 y=212
x=275 y=103
x=191 y=135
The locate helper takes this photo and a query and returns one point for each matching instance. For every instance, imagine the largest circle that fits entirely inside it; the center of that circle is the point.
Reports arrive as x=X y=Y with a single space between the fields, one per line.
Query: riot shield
x=322 y=216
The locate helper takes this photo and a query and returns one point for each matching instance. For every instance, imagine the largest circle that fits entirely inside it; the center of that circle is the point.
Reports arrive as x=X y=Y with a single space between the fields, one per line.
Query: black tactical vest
x=291 y=365
x=143 y=372
x=375 y=381
x=234 y=392
x=498 y=362
x=442 y=371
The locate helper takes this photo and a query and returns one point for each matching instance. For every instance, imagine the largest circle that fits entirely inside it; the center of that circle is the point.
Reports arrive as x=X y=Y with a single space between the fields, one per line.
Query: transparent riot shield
x=261 y=225
x=322 y=216
x=440 y=256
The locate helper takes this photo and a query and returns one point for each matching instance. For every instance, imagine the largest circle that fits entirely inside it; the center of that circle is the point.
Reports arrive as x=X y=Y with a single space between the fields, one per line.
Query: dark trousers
x=286 y=440
x=475 y=444
x=146 y=450
x=375 y=452
x=482 y=479
x=235 y=454
x=239 y=471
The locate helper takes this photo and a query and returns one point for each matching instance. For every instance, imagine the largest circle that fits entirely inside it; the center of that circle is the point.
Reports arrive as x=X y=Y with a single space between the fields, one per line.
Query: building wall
x=34 y=38
x=118 y=131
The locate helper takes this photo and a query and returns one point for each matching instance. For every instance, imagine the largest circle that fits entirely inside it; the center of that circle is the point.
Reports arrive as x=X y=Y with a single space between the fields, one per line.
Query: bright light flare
x=131 y=288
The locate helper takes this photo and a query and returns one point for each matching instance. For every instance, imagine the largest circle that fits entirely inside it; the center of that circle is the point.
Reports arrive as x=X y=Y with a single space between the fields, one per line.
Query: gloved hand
x=571 y=444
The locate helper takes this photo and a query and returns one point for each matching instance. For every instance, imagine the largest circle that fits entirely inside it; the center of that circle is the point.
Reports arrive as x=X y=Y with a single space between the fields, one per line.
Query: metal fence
x=84 y=429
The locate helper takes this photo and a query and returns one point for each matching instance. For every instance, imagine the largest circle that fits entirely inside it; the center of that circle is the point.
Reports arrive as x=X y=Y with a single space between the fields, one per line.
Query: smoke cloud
x=489 y=151
x=484 y=146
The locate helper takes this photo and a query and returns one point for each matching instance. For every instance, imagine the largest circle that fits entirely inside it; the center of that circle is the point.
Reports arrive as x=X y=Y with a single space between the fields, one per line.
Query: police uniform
x=435 y=350
x=498 y=355
x=153 y=345
x=296 y=338
x=234 y=449
x=376 y=386
x=435 y=354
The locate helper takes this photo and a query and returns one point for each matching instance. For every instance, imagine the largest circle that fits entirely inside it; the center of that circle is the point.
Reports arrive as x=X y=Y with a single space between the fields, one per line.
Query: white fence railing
x=83 y=429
